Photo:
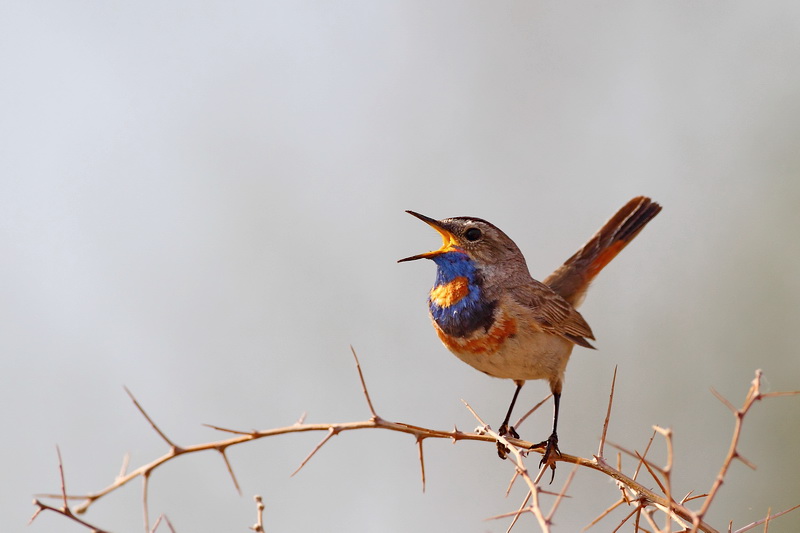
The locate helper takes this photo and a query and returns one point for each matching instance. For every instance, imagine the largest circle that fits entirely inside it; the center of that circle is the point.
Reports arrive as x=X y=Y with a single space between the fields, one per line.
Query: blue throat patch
x=456 y=301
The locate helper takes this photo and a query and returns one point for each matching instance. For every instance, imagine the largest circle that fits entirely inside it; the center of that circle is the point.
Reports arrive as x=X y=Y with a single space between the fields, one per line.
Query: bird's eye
x=473 y=234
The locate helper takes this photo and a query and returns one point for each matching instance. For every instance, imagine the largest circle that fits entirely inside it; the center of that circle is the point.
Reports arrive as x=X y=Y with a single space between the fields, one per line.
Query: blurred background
x=204 y=202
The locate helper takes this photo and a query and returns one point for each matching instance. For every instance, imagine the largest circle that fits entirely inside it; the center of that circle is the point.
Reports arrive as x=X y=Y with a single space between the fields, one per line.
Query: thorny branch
x=644 y=500
x=64 y=510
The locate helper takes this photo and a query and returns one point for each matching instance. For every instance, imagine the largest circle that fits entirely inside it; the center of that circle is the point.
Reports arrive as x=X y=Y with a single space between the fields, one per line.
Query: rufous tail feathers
x=572 y=278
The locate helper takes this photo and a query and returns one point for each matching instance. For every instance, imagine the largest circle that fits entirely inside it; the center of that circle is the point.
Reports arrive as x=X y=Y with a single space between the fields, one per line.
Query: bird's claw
x=505 y=431
x=551 y=452
x=508 y=431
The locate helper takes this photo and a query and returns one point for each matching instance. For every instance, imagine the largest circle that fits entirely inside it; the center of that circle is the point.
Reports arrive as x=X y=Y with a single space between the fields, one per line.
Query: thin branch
x=641 y=457
x=515 y=514
x=561 y=494
x=780 y=393
x=646 y=500
x=241 y=437
x=651 y=468
x=648 y=515
x=667 y=472
x=259 y=526
x=605 y=513
x=644 y=455
x=769 y=517
x=162 y=517
x=519 y=511
x=531 y=411
x=695 y=497
x=145 y=506
x=518 y=462
x=627 y=517
x=64 y=510
x=752 y=395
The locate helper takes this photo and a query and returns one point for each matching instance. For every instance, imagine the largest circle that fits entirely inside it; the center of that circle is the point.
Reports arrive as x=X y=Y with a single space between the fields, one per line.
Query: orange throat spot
x=450 y=293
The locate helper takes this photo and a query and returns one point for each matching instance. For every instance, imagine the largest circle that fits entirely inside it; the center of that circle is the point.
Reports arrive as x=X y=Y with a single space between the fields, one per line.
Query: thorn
x=124 y=468
x=63 y=481
x=561 y=494
x=745 y=461
x=152 y=424
x=364 y=385
x=331 y=432
x=230 y=470
x=421 y=460
x=146 y=510
x=531 y=411
x=608 y=415
x=724 y=400
x=234 y=431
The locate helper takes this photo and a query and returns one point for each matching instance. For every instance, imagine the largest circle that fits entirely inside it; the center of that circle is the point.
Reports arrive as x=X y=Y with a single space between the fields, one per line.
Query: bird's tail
x=572 y=278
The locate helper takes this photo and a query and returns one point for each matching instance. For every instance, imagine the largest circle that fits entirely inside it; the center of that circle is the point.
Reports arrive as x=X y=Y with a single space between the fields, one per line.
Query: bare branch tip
x=259 y=525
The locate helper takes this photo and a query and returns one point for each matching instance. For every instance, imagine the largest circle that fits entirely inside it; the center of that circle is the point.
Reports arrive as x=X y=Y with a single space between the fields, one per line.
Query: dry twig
x=645 y=500
x=64 y=510
x=259 y=526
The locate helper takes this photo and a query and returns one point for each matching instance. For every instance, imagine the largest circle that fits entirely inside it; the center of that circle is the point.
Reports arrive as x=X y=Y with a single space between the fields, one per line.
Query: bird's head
x=476 y=238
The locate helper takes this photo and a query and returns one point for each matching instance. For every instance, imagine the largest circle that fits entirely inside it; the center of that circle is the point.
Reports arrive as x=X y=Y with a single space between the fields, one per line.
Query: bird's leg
x=550 y=445
x=506 y=430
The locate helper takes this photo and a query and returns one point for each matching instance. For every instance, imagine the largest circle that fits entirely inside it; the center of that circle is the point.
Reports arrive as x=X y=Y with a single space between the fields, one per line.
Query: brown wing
x=554 y=314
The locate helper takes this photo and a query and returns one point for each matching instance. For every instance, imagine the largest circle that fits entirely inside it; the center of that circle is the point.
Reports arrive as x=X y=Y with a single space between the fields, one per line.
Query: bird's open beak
x=449 y=240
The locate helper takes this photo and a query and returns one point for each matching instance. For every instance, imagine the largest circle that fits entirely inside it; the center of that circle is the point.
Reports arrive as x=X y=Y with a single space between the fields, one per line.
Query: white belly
x=512 y=352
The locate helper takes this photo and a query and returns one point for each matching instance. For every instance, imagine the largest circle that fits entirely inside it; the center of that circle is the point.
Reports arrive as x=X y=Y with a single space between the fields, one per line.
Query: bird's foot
x=505 y=431
x=508 y=431
x=551 y=453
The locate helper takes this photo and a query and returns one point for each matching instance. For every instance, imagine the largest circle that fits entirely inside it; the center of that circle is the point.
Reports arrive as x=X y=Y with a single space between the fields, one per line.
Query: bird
x=492 y=314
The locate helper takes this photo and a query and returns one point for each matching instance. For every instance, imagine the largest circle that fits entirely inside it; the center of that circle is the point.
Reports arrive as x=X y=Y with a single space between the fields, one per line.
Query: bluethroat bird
x=488 y=310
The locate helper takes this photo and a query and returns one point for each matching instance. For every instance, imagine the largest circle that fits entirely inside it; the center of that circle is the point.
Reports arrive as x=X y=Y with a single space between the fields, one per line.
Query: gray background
x=203 y=201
